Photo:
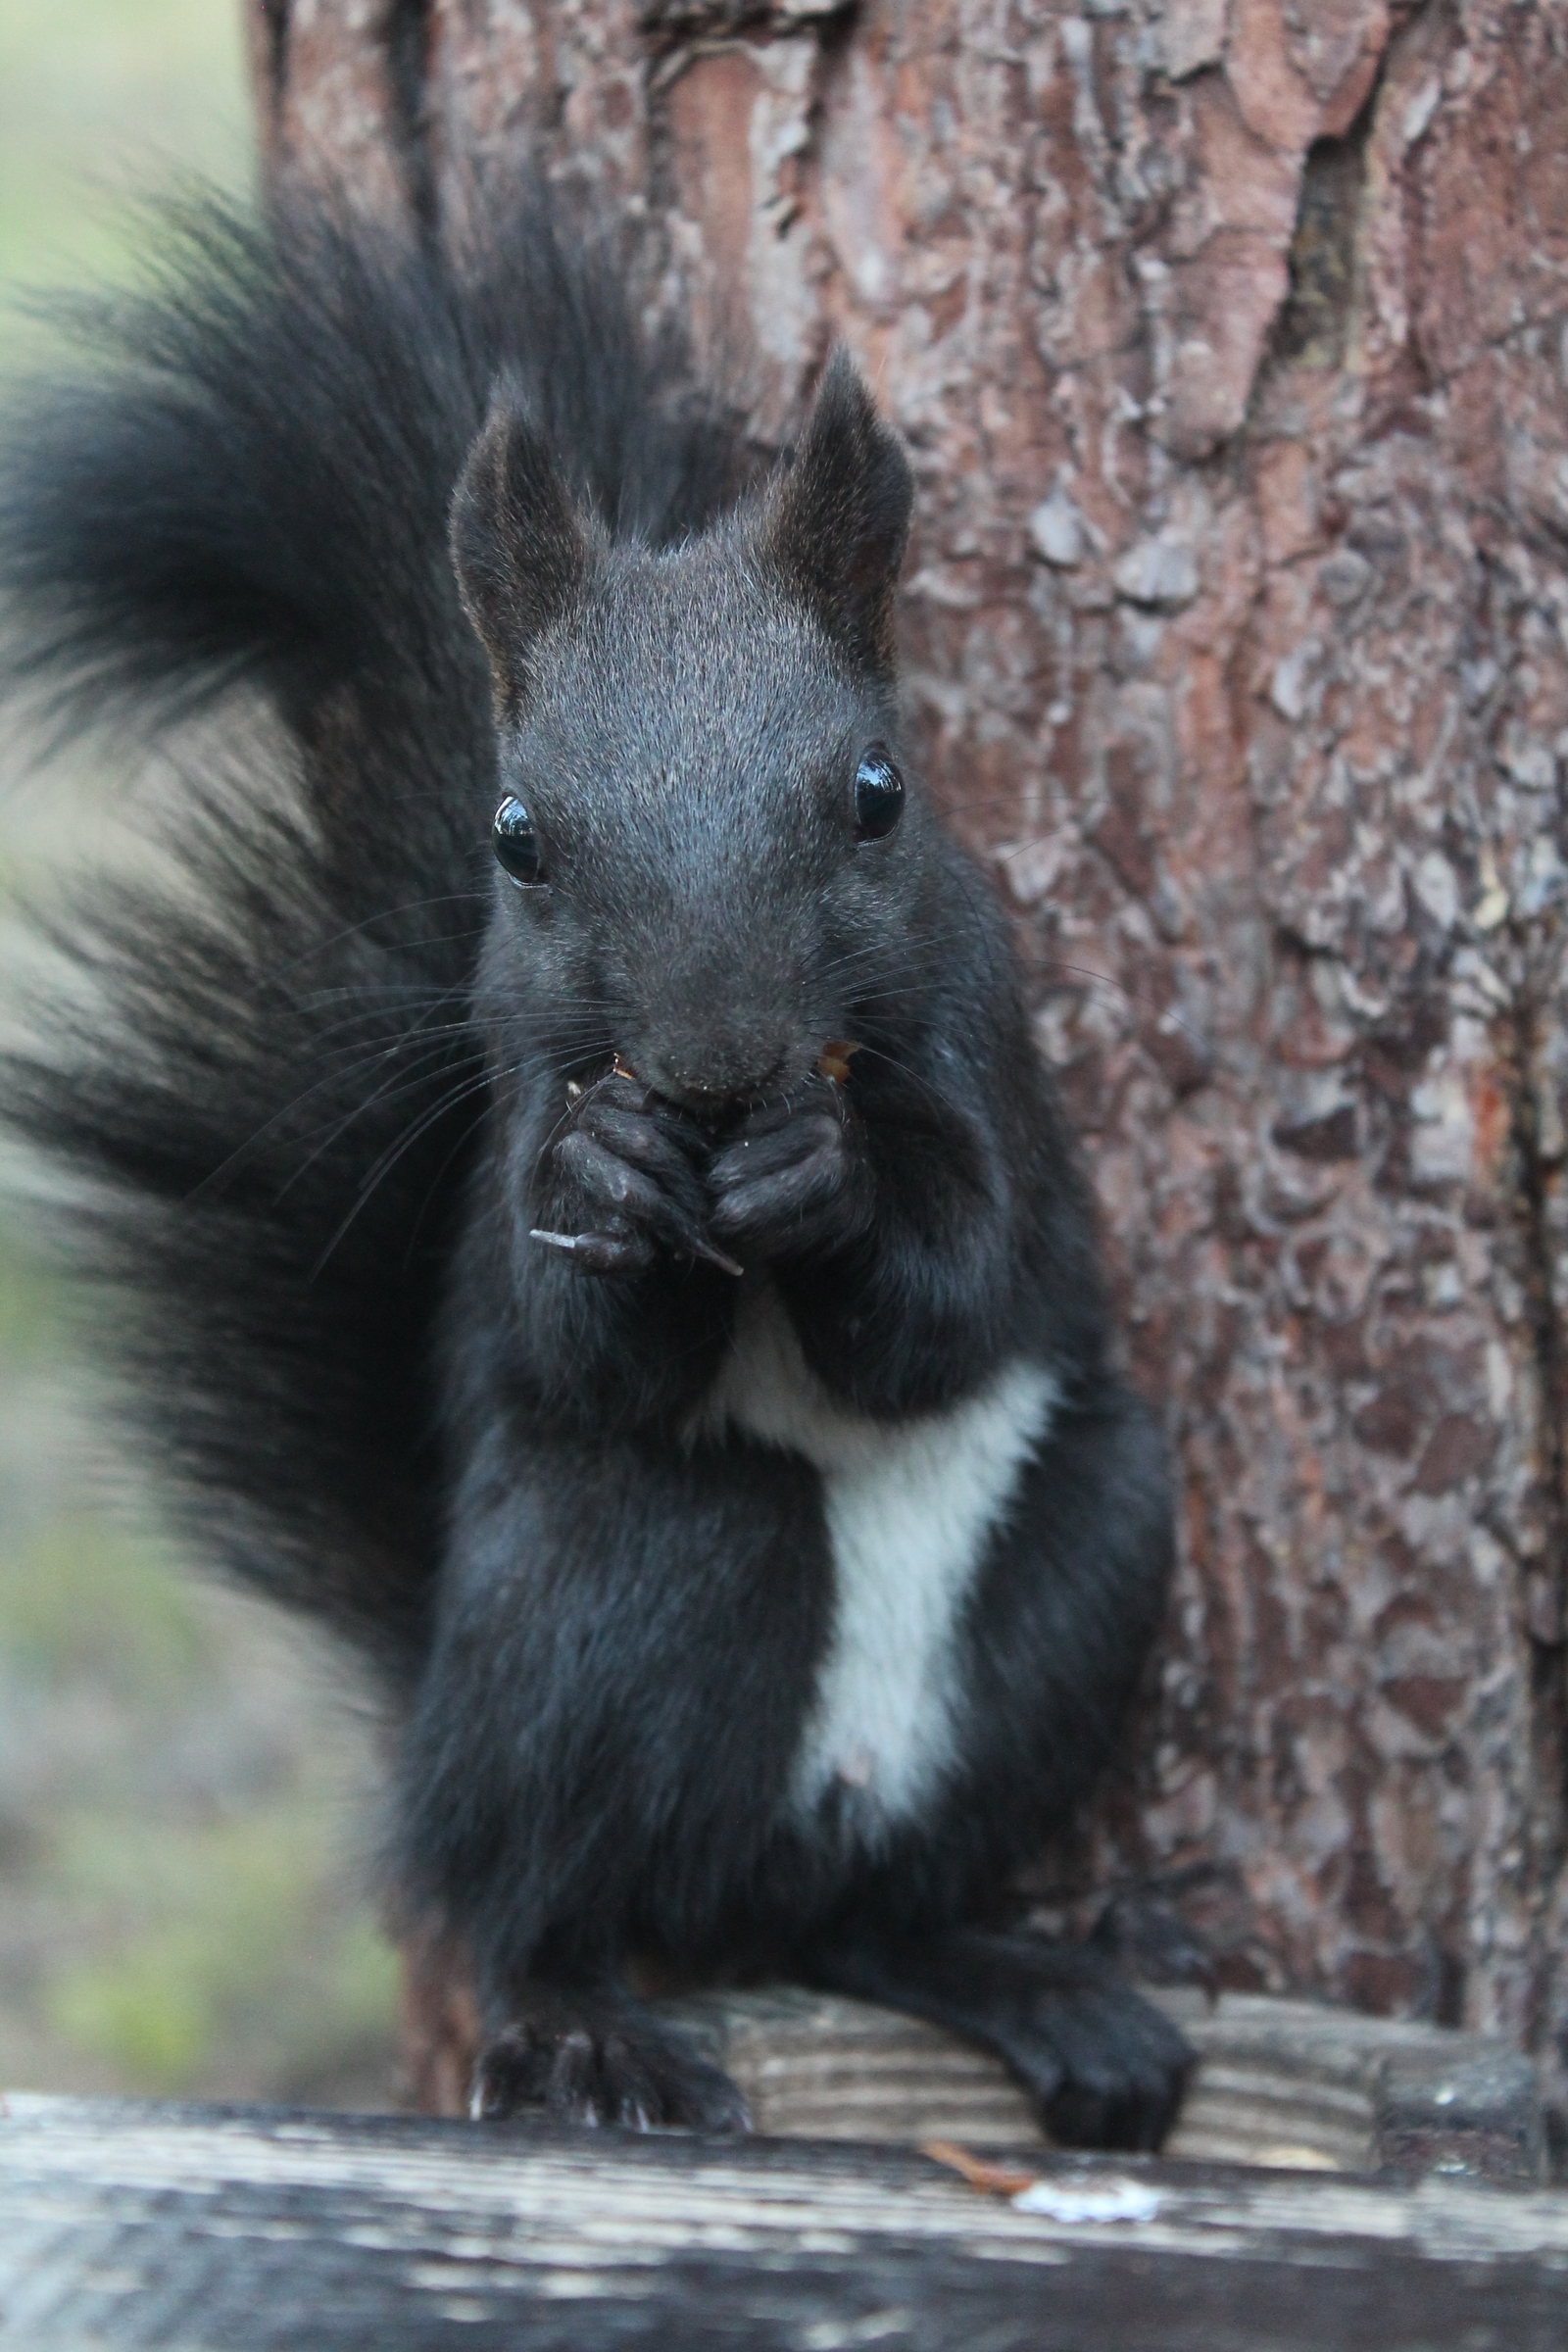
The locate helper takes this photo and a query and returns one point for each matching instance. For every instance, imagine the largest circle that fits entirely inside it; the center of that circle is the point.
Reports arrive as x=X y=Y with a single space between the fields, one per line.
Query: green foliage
x=79 y=1600
x=28 y=1316
x=178 y=1910
x=209 y=1944
x=96 y=95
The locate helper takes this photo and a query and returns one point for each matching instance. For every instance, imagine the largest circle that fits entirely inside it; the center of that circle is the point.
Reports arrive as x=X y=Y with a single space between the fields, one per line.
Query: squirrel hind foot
x=1104 y=2067
x=585 y=2059
x=1107 y=2068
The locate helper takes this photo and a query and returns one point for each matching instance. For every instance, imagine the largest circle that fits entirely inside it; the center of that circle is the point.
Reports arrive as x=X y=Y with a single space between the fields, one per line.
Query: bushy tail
x=269 y=1082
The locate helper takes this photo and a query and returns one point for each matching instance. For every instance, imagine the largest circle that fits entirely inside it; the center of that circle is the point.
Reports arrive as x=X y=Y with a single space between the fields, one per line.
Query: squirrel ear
x=517 y=542
x=835 y=522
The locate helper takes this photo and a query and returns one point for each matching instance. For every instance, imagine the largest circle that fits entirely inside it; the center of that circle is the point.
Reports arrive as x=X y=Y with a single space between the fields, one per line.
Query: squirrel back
x=272 y=1085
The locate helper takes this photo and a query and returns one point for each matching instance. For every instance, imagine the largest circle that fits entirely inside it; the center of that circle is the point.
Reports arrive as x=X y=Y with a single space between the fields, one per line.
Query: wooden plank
x=183 y=2229
x=1279 y=2083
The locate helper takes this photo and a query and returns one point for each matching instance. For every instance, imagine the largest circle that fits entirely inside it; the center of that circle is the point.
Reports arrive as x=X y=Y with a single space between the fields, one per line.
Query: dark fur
x=327 y=1106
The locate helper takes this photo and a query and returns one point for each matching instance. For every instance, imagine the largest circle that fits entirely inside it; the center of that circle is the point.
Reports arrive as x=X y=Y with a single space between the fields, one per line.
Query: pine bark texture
x=1230 y=339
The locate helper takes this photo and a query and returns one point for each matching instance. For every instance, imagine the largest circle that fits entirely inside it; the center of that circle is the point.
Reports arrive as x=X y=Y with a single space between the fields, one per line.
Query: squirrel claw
x=618 y=1254
x=599 y=1252
x=1148 y=1941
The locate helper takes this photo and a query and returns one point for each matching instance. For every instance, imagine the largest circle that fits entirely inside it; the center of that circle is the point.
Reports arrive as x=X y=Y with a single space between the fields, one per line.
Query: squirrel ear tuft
x=836 y=521
x=518 y=545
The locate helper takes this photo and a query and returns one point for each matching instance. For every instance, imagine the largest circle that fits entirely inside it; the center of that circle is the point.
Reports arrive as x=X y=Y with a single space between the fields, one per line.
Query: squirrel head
x=707 y=861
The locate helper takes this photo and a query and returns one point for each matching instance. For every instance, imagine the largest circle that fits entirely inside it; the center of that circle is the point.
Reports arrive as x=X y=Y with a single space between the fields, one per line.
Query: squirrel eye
x=516 y=843
x=878 y=794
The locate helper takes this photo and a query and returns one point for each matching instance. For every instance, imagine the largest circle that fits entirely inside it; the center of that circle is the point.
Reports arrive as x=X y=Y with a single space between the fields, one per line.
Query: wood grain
x=1282 y=2084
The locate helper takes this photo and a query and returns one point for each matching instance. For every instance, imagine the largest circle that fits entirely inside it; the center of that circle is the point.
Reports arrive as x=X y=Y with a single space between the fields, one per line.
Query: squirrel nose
x=716 y=1084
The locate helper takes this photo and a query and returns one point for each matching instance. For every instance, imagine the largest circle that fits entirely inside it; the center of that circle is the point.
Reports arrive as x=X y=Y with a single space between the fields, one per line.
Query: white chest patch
x=910 y=1506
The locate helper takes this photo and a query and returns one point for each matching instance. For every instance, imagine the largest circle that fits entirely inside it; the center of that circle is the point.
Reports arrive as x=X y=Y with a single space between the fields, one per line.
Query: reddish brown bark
x=1229 y=339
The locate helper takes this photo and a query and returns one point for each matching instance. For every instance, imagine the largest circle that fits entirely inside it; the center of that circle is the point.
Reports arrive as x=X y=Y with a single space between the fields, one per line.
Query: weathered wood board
x=189 y=2228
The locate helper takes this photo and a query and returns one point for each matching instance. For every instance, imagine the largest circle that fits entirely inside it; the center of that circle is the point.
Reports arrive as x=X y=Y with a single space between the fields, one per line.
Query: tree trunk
x=1228 y=338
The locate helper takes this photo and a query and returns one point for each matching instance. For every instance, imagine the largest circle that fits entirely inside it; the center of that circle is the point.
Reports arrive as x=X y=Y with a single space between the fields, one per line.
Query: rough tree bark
x=1230 y=339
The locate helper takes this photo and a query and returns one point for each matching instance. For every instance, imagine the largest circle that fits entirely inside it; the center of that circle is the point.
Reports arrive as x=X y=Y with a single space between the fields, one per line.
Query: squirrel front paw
x=621 y=1187
x=793 y=1179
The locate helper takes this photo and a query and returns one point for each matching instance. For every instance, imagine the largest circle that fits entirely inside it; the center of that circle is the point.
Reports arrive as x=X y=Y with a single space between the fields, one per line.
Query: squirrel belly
x=559 y=1141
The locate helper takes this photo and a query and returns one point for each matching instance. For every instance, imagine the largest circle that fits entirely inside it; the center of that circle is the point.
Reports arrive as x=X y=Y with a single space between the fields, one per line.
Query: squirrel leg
x=1104 y=2065
x=600 y=2057
x=1088 y=1549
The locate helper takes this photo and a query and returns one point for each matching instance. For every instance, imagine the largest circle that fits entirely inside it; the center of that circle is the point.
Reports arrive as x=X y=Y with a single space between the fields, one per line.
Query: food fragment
x=623 y=1069
x=1089 y=2200
x=834 y=1060
x=992 y=2180
x=1086 y=2200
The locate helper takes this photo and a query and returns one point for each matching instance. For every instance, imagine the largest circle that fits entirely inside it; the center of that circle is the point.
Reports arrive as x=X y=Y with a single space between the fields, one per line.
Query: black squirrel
x=614 y=1255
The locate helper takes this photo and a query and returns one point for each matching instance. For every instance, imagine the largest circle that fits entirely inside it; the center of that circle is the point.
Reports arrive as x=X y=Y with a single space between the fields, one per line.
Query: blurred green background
x=184 y=1780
